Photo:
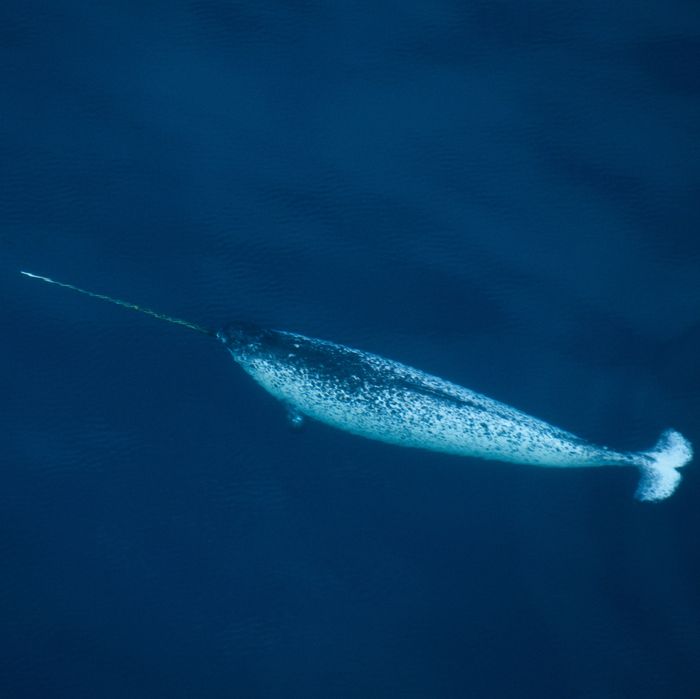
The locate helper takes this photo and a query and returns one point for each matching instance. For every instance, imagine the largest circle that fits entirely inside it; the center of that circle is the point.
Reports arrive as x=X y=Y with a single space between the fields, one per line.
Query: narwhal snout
x=238 y=335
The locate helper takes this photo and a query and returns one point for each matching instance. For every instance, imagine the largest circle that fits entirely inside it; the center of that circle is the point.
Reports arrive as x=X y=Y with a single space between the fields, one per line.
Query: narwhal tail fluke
x=659 y=466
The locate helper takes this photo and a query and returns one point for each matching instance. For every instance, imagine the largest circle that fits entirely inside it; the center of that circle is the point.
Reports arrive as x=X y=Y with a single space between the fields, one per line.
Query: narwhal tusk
x=119 y=302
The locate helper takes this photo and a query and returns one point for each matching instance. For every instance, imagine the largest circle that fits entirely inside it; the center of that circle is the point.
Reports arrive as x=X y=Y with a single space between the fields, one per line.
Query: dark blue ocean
x=504 y=194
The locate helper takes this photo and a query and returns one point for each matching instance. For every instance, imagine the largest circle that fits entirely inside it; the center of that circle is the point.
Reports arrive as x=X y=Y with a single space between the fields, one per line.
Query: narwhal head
x=243 y=339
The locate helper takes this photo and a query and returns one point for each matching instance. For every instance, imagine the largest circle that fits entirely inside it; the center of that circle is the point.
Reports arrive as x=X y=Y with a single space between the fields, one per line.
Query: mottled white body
x=414 y=409
x=378 y=398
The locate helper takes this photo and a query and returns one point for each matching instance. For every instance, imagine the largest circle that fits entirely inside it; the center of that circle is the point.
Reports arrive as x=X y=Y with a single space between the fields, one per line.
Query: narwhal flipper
x=295 y=417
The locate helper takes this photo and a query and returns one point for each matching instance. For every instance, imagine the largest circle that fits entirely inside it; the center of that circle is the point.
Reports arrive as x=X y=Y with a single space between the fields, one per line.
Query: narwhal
x=368 y=395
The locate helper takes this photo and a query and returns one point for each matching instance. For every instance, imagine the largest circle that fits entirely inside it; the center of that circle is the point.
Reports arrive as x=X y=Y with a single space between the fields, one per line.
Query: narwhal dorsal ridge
x=368 y=395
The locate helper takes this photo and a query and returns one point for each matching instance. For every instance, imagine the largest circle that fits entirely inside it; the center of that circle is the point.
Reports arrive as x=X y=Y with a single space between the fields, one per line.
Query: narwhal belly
x=368 y=395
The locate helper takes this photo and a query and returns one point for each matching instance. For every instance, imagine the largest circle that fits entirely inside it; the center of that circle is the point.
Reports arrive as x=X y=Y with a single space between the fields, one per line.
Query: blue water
x=504 y=194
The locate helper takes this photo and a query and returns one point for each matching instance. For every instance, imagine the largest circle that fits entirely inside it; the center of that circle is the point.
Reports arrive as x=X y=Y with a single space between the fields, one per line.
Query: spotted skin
x=378 y=398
